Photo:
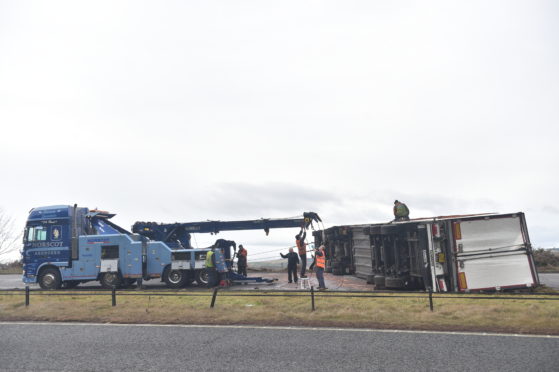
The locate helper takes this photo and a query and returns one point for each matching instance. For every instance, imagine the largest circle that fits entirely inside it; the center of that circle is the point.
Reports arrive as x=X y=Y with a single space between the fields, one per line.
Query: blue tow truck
x=65 y=245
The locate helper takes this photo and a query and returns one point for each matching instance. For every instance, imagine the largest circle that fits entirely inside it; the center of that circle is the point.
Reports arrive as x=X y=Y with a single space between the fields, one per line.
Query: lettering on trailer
x=98 y=241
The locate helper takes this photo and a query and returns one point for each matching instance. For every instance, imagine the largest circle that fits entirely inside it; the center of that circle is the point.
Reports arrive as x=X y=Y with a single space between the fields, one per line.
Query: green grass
x=10 y=270
x=518 y=316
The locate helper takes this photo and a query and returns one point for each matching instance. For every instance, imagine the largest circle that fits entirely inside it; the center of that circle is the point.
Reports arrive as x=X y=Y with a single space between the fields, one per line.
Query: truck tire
x=174 y=278
x=395 y=283
x=202 y=277
x=50 y=279
x=110 y=280
x=379 y=281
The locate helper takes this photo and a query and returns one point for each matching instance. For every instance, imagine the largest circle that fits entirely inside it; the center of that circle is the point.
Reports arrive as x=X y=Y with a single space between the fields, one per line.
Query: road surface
x=332 y=282
x=102 y=347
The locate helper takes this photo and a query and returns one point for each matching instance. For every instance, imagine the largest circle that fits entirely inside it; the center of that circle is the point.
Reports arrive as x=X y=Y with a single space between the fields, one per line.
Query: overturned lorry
x=483 y=252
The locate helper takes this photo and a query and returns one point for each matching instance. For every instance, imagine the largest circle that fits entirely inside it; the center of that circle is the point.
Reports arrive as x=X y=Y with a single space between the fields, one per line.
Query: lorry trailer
x=483 y=252
x=65 y=245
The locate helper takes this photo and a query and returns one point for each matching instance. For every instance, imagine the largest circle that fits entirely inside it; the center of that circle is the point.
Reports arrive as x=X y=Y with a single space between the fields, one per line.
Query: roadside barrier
x=310 y=293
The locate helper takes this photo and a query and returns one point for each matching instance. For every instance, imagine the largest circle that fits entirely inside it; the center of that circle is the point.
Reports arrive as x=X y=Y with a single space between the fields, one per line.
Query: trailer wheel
x=50 y=279
x=174 y=278
x=395 y=283
x=202 y=277
x=110 y=280
x=379 y=281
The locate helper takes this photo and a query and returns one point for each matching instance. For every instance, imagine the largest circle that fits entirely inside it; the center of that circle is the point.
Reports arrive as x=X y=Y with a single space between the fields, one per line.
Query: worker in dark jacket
x=302 y=248
x=242 y=261
x=292 y=261
x=401 y=211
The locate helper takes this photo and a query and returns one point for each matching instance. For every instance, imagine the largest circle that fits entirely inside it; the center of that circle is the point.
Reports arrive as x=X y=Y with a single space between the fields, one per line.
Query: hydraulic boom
x=174 y=233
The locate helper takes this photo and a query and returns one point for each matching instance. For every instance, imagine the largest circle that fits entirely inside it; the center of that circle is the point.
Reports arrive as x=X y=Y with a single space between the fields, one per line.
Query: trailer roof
x=427 y=219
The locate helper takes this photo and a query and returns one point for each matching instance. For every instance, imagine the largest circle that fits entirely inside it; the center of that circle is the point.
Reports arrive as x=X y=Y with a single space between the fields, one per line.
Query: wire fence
x=310 y=294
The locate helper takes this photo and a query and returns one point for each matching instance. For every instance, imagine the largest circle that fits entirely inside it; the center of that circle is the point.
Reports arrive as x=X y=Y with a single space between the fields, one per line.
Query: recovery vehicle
x=67 y=245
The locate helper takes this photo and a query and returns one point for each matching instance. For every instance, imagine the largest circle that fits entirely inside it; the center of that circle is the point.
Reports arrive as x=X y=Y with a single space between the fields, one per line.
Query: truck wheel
x=50 y=279
x=379 y=281
x=395 y=283
x=110 y=280
x=69 y=284
x=174 y=278
x=202 y=277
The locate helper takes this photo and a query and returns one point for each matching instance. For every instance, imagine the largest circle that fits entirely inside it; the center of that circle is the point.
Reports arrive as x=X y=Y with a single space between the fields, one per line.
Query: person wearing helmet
x=401 y=211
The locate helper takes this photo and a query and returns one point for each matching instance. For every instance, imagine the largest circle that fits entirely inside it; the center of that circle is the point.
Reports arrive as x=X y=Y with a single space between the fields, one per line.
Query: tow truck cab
x=50 y=235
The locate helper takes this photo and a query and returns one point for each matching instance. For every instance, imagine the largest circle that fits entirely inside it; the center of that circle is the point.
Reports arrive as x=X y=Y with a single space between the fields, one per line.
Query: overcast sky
x=185 y=111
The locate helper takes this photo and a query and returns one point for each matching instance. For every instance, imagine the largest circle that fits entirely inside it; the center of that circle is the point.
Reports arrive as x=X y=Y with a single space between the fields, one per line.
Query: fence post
x=114 y=295
x=213 y=298
x=312 y=297
x=26 y=295
x=431 y=298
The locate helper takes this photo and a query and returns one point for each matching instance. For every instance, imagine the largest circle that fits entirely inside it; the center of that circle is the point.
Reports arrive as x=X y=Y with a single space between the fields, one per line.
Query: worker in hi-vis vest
x=302 y=249
x=401 y=211
x=211 y=269
x=319 y=266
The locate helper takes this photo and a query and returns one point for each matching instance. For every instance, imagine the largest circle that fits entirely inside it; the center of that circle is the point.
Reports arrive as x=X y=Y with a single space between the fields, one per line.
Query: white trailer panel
x=492 y=253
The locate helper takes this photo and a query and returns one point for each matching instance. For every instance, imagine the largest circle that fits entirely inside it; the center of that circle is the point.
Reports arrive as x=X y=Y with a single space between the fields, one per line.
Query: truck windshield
x=36 y=233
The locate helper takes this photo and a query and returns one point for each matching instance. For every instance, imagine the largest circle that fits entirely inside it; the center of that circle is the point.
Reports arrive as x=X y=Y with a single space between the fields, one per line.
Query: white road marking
x=366 y=330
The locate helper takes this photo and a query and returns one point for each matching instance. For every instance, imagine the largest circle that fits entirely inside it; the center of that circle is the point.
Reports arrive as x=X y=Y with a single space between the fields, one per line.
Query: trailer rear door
x=362 y=253
x=492 y=253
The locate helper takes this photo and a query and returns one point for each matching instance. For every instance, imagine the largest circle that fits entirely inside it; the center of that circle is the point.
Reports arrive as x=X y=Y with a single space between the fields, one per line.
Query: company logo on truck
x=46 y=244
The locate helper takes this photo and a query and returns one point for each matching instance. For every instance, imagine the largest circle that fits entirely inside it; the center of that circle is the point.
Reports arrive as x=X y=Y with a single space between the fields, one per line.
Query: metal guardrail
x=533 y=296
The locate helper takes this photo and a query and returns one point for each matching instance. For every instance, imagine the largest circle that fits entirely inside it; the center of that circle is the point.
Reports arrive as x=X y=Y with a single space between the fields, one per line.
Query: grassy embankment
x=10 y=270
x=548 y=269
x=518 y=316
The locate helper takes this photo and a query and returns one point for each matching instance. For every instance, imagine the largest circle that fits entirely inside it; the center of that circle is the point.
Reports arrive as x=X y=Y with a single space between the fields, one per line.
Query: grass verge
x=10 y=270
x=516 y=316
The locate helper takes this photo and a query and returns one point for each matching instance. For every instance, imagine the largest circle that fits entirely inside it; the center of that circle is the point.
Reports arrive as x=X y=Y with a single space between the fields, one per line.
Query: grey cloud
x=266 y=199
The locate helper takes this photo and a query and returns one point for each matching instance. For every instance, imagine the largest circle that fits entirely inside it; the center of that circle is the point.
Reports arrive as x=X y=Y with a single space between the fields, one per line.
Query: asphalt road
x=103 y=347
x=550 y=279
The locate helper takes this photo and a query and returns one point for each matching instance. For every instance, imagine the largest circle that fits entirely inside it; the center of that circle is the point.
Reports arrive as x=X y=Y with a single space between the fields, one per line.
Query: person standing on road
x=213 y=278
x=401 y=211
x=242 y=261
x=302 y=248
x=319 y=266
x=292 y=261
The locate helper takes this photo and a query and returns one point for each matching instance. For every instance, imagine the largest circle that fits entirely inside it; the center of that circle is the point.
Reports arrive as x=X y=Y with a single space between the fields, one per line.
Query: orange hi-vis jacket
x=321 y=261
x=301 y=246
